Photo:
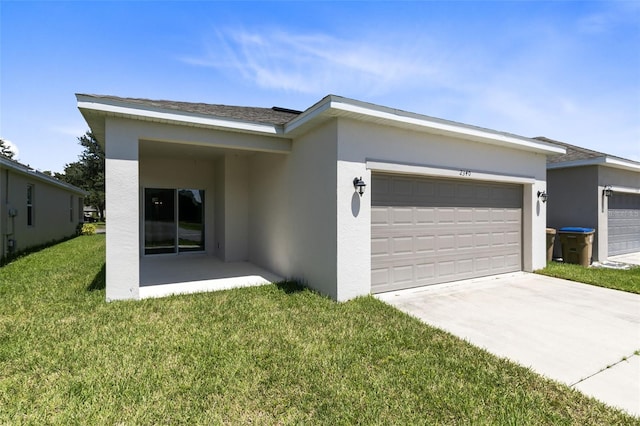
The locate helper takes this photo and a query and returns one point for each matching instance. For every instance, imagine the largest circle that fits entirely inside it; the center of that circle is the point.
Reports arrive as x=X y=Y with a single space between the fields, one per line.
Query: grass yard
x=275 y=354
x=617 y=279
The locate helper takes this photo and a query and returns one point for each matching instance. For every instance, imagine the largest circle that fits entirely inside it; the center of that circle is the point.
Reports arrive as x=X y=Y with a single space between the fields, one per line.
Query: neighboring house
x=595 y=190
x=36 y=208
x=275 y=188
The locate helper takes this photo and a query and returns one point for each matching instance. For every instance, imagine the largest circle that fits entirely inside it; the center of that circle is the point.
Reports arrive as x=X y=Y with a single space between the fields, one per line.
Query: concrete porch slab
x=195 y=273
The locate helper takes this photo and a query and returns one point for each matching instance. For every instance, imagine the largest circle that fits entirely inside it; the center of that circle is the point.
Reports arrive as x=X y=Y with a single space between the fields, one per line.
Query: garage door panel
x=425 y=216
x=465 y=241
x=425 y=244
x=446 y=242
x=425 y=271
x=379 y=277
x=402 y=245
x=400 y=216
x=444 y=257
x=464 y=215
x=403 y=274
x=623 y=218
x=379 y=217
x=513 y=238
x=481 y=215
x=379 y=246
x=428 y=234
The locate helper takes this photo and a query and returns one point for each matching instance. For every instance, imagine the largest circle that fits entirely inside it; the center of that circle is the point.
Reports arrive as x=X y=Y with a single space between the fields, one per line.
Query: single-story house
x=595 y=190
x=348 y=197
x=36 y=208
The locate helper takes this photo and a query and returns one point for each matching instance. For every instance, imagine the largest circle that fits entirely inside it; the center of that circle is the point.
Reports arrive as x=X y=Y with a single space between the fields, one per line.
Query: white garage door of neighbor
x=624 y=223
x=428 y=231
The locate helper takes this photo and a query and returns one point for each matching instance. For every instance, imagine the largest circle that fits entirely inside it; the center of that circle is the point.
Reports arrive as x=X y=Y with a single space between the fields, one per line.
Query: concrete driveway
x=631 y=258
x=578 y=334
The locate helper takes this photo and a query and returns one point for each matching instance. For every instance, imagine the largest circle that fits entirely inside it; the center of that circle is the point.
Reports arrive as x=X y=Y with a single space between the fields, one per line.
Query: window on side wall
x=71 y=208
x=30 y=199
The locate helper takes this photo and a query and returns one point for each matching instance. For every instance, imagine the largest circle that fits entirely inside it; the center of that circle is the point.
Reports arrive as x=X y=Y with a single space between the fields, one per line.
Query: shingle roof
x=275 y=115
x=574 y=153
x=27 y=170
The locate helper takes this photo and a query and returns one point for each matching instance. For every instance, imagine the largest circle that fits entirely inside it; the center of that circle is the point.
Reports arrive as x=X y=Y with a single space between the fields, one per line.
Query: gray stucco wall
x=292 y=225
x=56 y=211
x=618 y=177
x=573 y=199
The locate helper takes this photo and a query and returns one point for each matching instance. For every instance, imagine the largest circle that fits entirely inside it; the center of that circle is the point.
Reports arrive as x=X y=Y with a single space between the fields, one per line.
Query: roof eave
x=334 y=106
x=605 y=161
x=90 y=106
x=28 y=171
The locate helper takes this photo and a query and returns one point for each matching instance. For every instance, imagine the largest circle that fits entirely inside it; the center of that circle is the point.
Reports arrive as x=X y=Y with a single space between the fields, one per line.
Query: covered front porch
x=180 y=200
x=165 y=275
x=195 y=220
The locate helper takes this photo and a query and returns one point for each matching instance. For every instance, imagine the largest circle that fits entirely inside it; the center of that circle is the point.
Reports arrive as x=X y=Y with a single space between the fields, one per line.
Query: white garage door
x=428 y=231
x=624 y=223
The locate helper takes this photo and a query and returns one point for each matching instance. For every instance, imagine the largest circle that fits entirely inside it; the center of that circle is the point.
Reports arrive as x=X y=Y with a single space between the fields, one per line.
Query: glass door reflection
x=190 y=220
x=159 y=221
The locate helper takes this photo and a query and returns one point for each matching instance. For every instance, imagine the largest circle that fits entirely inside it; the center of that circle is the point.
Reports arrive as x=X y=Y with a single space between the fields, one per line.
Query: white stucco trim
x=616 y=163
x=625 y=189
x=381 y=166
x=122 y=109
x=338 y=106
x=308 y=116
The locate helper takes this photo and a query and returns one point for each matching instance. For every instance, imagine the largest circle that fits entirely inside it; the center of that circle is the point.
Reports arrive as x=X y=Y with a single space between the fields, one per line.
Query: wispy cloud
x=315 y=63
x=532 y=81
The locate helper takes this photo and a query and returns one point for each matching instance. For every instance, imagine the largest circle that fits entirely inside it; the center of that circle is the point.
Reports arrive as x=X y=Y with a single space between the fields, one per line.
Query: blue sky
x=568 y=70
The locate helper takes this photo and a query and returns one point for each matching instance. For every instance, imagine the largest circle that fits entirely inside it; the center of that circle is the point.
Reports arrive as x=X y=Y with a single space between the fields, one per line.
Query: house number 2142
x=465 y=172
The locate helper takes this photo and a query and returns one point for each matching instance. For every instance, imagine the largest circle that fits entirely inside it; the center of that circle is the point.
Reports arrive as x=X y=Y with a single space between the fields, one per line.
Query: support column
x=353 y=232
x=123 y=208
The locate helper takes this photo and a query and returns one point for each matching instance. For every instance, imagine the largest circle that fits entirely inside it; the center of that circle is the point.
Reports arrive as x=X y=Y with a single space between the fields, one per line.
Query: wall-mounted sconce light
x=607 y=191
x=359 y=185
x=543 y=196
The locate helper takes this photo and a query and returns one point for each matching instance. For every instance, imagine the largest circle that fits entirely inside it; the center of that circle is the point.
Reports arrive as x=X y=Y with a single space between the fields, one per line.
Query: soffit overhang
x=96 y=109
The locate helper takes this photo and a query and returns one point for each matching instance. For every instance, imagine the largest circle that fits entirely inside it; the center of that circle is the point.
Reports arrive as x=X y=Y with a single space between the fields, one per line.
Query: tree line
x=88 y=172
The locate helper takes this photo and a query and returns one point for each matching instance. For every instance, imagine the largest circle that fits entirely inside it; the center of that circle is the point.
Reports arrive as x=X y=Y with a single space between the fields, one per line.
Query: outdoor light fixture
x=607 y=191
x=359 y=185
x=543 y=196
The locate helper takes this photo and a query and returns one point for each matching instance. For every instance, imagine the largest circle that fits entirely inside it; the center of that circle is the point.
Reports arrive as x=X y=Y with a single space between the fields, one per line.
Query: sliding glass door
x=190 y=220
x=173 y=220
x=159 y=221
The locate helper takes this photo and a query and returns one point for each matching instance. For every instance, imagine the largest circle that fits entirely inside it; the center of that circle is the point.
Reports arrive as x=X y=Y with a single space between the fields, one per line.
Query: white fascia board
x=308 y=115
x=598 y=161
x=130 y=111
x=28 y=171
x=455 y=130
x=625 y=189
x=622 y=164
x=465 y=174
x=428 y=123
x=576 y=163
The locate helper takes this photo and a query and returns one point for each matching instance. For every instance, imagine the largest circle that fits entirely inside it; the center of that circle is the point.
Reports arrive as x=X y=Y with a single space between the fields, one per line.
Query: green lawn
x=617 y=279
x=275 y=354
